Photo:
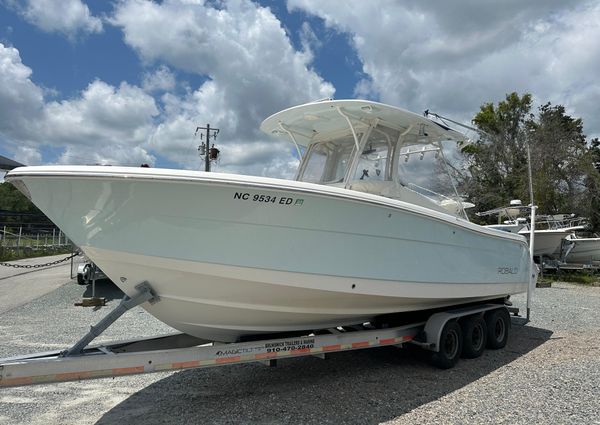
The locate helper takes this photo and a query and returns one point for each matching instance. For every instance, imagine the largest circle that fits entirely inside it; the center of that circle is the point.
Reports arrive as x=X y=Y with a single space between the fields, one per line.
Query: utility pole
x=210 y=154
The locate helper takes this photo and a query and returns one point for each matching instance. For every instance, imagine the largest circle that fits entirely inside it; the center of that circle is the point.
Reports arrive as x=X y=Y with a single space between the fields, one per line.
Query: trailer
x=449 y=334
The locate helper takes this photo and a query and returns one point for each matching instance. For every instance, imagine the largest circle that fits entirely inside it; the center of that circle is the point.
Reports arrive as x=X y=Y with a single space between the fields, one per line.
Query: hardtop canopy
x=317 y=121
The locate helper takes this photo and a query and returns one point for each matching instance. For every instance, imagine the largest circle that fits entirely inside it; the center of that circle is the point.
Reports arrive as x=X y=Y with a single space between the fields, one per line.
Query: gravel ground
x=548 y=373
x=20 y=285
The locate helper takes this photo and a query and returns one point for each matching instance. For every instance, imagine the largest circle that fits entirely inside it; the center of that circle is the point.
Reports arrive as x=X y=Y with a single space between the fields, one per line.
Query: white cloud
x=21 y=101
x=239 y=50
x=104 y=124
x=28 y=155
x=162 y=79
x=454 y=56
x=102 y=113
x=251 y=66
x=309 y=39
x=115 y=154
x=69 y=17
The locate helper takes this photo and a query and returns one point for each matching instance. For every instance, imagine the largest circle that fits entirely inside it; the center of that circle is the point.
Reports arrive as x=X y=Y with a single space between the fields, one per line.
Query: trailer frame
x=180 y=351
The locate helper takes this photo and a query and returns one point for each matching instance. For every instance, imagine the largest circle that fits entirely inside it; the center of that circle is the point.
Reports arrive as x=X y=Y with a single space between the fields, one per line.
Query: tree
x=592 y=183
x=13 y=200
x=497 y=161
x=560 y=160
x=566 y=177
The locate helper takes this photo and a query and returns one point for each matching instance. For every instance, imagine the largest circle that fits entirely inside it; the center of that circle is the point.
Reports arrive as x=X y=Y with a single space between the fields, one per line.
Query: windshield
x=423 y=169
x=420 y=169
x=327 y=162
x=411 y=169
x=373 y=163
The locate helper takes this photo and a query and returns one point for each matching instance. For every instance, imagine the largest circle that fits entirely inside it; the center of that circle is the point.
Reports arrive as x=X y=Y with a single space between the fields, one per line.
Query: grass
x=9 y=254
x=582 y=278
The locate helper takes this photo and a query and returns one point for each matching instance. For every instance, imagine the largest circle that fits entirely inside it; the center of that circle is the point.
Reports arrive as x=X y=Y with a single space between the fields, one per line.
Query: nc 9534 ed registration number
x=267 y=199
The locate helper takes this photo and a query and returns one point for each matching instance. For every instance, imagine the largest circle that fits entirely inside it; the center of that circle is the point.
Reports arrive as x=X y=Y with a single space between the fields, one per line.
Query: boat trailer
x=442 y=333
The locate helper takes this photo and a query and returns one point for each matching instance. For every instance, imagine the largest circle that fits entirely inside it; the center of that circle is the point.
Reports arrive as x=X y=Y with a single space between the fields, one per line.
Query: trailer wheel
x=450 y=346
x=83 y=278
x=474 y=331
x=498 y=323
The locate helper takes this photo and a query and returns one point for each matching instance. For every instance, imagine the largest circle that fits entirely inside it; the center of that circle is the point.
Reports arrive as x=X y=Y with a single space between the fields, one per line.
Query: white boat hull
x=225 y=302
x=585 y=250
x=227 y=264
x=548 y=242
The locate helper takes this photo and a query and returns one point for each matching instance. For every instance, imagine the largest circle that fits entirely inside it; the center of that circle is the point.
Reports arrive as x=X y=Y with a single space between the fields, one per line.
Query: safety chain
x=37 y=266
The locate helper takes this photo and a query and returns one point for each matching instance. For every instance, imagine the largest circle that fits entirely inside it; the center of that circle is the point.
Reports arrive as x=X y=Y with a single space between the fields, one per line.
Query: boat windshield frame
x=358 y=135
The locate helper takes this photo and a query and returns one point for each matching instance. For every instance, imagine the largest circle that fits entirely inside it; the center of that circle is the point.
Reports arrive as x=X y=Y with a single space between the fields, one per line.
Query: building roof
x=7 y=164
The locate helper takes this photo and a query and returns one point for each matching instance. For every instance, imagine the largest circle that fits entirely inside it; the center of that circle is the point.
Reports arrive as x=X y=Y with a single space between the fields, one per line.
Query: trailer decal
x=185 y=365
x=264 y=356
x=128 y=370
x=229 y=360
x=300 y=351
x=69 y=376
x=332 y=347
x=18 y=381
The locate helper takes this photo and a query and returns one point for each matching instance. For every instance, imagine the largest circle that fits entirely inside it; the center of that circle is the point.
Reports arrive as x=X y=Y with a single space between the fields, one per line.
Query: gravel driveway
x=548 y=373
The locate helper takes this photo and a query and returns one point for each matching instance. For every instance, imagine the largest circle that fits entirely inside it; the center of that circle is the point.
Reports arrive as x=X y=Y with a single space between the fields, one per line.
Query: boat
x=361 y=232
x=549 y=235
x=582 y=250
x=510 y=226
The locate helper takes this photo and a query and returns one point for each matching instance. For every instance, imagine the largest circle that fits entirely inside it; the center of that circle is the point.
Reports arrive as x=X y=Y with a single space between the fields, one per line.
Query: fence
x=19 y=239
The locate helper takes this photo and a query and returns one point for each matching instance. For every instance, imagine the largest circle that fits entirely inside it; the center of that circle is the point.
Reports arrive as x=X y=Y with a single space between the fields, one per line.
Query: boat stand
x=144 y=294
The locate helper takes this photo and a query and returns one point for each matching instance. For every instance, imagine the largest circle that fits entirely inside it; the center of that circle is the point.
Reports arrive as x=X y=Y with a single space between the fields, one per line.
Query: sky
x=127 y=82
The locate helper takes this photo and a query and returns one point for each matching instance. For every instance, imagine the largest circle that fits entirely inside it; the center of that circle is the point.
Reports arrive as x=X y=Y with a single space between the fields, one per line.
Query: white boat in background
x=510 y=226
x=549 y=234
x=548 y=242
x=354 y=237
x=552 y=232
x=583 y=250
x=513 y=223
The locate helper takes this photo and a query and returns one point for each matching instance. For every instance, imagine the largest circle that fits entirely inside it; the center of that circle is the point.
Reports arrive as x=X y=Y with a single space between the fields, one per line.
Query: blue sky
x=127 y=81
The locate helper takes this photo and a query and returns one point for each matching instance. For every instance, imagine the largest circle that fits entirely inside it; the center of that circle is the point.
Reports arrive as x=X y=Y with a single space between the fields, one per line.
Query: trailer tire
x=83 y=278
x=475 y=332
x=498 y=324
x=450 y=349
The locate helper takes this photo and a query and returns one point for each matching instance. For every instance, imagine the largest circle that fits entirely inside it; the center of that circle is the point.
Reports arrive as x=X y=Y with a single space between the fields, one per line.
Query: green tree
x=592 y=184
x=13 y=200
x=497 y=161
x=565 y=168
x=560 y=160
